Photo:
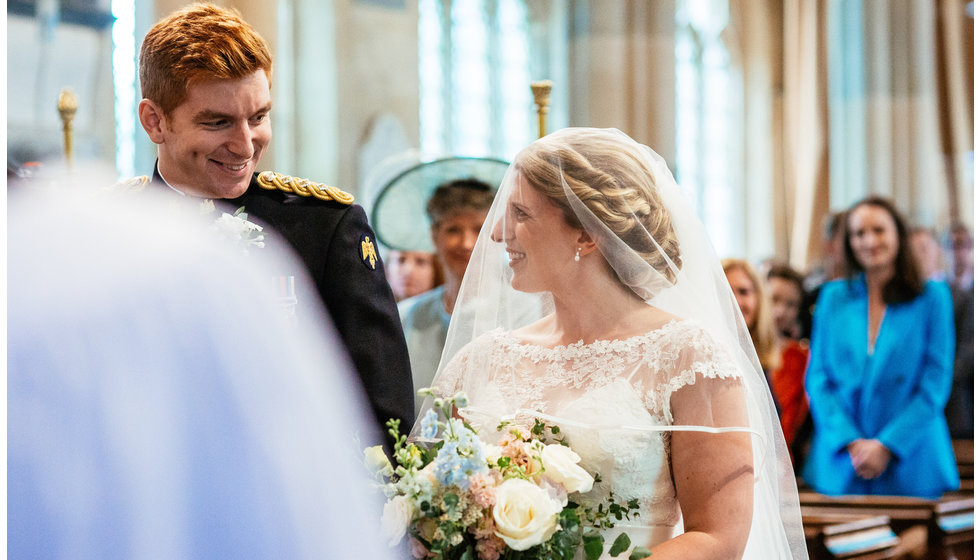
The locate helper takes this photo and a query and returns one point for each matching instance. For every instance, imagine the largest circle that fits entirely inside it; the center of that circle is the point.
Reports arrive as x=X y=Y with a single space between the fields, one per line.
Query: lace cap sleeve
x=687 y=354
x=457 y=375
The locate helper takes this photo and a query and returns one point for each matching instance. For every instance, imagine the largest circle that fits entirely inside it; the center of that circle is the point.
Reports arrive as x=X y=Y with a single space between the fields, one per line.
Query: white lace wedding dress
x=608 y=398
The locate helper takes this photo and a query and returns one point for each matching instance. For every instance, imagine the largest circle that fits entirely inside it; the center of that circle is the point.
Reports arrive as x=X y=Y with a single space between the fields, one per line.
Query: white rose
x=561 y=465
x=231 y=225
x=493 y=452
x=376 y=460
x=524 y=514
x=395 y=519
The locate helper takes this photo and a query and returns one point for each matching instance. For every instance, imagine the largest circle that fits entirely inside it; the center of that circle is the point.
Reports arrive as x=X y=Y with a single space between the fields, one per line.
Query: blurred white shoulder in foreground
x=160 y=402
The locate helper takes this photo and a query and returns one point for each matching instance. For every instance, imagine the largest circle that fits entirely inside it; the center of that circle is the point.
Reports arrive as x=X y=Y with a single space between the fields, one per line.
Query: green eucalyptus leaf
x=620 y=545
x=450 y=499
x=592 y=544
x=639 y=553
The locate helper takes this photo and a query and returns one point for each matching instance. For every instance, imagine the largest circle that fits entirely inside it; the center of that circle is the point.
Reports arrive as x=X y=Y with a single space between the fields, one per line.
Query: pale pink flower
x=482 y=489
x=417 y=549
x=490 y=548
x=514 y=434
x=484 y=527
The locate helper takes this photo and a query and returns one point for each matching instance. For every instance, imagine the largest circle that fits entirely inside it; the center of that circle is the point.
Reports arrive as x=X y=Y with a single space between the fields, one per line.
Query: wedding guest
x=928 y=254
x=205 y=77
x=959 y=410
x=754 y=304
x=150 y=414
x=785 y=286
x=880 y=369
x=960 y=247
x=456 y=211
x=830 y=267
x=411 y=272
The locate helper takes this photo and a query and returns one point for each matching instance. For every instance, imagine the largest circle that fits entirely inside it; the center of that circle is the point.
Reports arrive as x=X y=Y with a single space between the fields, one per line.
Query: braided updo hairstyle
x=610 y=176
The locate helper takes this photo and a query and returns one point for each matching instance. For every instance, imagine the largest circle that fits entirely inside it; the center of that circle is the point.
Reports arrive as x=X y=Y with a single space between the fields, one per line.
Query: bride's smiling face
x=540 y=243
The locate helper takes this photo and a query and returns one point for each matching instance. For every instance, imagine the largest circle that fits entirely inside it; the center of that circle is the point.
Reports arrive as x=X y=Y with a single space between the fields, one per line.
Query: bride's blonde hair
x=611 y=178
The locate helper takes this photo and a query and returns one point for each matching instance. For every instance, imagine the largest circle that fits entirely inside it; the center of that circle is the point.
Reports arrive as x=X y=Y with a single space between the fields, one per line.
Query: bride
x=594 y=301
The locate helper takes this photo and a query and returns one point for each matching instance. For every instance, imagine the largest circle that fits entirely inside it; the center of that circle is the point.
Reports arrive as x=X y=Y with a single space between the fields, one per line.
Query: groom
x=205 y=76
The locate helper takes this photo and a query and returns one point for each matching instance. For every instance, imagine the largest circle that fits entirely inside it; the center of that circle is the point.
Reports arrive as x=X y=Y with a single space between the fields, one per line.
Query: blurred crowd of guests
x=869 y=356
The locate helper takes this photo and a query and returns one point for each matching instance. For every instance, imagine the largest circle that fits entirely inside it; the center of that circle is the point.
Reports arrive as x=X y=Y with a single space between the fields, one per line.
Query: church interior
x=773 y=115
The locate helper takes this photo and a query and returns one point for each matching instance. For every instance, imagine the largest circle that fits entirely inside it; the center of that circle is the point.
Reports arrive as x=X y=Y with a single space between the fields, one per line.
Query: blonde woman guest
x=755 y=307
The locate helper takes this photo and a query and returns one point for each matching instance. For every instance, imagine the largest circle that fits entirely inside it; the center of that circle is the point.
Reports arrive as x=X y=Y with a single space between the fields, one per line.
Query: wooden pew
x=963 y=450
x=948 y=521
x=951 y=530
x=833 y=536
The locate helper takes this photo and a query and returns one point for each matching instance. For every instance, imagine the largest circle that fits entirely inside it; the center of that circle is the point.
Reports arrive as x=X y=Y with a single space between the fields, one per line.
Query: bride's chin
x=521 y=287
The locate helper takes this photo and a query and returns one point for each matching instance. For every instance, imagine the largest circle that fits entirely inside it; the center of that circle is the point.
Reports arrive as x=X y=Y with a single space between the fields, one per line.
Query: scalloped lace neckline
x=596 y=346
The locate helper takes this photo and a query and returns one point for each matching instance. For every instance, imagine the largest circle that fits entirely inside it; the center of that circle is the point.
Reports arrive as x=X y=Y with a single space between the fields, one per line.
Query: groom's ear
x=586 y=242
x=153 y=120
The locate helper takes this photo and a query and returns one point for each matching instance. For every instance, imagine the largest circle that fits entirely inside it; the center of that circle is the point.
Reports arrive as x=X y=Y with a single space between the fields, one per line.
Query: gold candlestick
x=542 y=98
x=67 y=105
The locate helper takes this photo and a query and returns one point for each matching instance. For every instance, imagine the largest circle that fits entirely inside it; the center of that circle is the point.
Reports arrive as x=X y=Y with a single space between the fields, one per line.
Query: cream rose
x=561 y=465
x=524 y=514
x=395 y=519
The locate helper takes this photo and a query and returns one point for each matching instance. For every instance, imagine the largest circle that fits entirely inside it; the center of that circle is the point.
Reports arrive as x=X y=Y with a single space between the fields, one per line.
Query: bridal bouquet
x=463 y=499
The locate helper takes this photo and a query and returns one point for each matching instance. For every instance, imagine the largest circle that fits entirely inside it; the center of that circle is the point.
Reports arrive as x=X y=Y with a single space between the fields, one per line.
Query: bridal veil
x=660 y=251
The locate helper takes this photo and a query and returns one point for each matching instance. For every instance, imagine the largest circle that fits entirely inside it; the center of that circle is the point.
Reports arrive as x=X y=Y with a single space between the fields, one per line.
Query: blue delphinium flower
x=430 y=424
x=460 y=457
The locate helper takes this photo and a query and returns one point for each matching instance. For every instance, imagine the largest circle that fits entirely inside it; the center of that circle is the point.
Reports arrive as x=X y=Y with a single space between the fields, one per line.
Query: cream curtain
x=954 y=73
x=783 y=60
x=621 y=69
x=844 y=99
x=903 y=153
x=804 y=127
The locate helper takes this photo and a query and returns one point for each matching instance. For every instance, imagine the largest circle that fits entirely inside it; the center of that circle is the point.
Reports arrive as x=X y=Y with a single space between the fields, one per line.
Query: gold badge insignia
x=368 y=254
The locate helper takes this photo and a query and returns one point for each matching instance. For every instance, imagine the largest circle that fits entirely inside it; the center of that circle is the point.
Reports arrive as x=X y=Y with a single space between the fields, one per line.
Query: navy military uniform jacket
x=330 y=237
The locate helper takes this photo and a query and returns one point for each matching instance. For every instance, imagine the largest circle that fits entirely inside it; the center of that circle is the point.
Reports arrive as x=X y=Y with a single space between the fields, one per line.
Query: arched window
x=474 y=77
x=708 y=120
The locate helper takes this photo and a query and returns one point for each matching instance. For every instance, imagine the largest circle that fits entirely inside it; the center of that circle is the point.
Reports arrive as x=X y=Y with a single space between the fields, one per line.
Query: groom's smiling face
x=210 y=144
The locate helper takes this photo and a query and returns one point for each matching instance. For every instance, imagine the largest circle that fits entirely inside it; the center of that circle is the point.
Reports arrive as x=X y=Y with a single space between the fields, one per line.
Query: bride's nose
x=497 y=233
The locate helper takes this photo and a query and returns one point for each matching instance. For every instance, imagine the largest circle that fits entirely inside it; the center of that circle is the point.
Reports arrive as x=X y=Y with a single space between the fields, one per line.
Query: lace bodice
x=608 y=397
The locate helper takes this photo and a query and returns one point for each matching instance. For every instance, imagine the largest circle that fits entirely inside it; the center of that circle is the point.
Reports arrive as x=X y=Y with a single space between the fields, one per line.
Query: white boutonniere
x=236 y=227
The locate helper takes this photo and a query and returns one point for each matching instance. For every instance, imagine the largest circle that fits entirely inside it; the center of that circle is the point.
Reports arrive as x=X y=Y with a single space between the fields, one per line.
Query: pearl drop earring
x=578 y=257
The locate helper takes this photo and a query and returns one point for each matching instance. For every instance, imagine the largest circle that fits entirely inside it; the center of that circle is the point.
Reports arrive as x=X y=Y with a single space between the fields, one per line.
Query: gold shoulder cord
x=304 y=187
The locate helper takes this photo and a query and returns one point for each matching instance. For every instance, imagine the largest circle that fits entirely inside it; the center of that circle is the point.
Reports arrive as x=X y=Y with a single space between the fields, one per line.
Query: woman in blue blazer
x=881 y=368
